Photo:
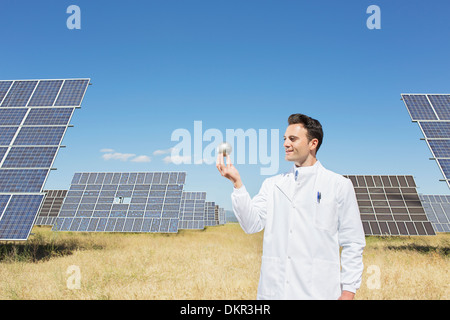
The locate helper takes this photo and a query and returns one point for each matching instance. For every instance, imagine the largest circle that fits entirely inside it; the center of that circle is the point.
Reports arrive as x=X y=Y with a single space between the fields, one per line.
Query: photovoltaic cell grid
x=50 y=207
x=432 y=113
x=211 y=214
x=192 y=210
x=390 y=205
x=34 y=116
x=437 y=208
x=222 y=218
x=122 y=202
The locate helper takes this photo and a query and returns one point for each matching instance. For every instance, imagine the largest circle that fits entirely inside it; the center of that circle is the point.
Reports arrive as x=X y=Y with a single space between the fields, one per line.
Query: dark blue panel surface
x=39 y=136
x=4 y=87
x=440 y=148
x=49 y=116
x=72 y=93
x=436 y=130
x=18 y=217
x=19 y=94
x=30 y=157
x=419 y=108
x=45 y=93
x=441 y=104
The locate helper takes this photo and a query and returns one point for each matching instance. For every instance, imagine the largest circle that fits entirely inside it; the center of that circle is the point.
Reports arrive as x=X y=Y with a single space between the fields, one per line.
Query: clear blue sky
x=157 y=66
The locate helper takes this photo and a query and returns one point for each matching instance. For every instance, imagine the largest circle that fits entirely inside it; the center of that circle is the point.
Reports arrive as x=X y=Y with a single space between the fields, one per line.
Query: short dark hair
x=312 y=126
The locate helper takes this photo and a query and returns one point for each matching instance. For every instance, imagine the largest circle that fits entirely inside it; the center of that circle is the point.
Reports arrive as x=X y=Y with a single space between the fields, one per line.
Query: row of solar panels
x=389 y=205
x=35 y=114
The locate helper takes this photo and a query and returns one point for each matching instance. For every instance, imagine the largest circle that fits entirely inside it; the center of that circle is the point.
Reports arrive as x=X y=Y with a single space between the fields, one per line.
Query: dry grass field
x=216 y=263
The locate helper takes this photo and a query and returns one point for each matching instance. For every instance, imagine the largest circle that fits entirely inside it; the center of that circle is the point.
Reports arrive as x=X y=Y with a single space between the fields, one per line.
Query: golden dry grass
x=217 y=263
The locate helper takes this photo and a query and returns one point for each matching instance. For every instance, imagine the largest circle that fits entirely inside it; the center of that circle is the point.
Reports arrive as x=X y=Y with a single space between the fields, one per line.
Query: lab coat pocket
x=270 y=278
x=326 y=280
x=326 y=216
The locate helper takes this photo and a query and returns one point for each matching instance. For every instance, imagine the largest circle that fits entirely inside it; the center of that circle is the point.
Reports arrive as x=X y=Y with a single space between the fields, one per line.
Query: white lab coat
x=303 y=234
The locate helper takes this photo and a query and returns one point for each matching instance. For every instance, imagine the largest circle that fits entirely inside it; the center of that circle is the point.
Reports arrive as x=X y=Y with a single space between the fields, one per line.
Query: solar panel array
x=437 y=208
x=390 y=205
x=122 y=202
x=134 y=202
x=34 y=116
x=432 y=113
x=50 y=207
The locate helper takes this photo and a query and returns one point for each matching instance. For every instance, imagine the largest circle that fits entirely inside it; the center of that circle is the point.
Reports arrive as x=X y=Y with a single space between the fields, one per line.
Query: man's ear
x=313 y=144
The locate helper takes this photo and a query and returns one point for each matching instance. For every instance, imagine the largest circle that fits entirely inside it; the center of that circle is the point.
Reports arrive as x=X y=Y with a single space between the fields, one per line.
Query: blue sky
x=157 y=66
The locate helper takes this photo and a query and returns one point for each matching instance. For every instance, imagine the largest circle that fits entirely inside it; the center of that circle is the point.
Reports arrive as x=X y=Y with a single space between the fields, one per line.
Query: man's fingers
x=219 y=165
x=229 y=164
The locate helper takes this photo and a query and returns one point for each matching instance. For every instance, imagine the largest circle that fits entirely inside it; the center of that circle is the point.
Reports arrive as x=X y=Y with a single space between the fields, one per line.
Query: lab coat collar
x=287 y=182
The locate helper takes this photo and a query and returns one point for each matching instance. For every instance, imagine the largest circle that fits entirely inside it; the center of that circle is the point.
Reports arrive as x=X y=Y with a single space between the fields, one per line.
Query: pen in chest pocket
x=319 y=196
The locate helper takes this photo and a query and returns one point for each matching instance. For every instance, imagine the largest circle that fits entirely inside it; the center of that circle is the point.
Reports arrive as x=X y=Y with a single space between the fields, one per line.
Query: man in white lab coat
x=307 y=214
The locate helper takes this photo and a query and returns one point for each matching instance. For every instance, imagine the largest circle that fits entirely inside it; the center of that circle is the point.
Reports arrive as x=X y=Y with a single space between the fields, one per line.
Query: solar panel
x=50 y=207
x=419 y=107
x=192 y=210
x=45 y=93
x=18 y=215
x=40 y=136
x=222 y=218
x=11 y=117
x=7 y=134
x=210 y=214
x=441 y=105
x=390 y=205
x=432 y=113
x=437 y=209
x=122 y=202
x=72 y=92
x=4 y=88
x=19 y=94
x=31 y=131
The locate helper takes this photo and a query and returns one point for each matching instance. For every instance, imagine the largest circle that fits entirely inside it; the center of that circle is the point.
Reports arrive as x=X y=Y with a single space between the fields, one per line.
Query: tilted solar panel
x=432 y=113
x=437 y=208
x=122 y=202
x=390 y=205
x=50 y=207
x=31 y=131
x=192 y=210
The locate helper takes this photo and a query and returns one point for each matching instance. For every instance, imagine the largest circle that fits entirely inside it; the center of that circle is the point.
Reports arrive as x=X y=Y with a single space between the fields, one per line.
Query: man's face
x=297 y=146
